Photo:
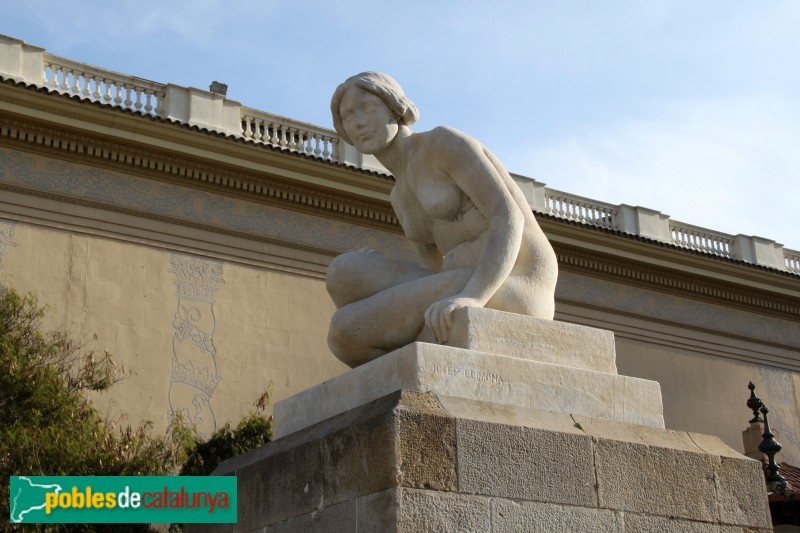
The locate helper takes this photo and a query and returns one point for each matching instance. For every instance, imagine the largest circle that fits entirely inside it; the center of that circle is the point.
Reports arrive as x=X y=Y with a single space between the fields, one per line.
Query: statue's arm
x=464 y=159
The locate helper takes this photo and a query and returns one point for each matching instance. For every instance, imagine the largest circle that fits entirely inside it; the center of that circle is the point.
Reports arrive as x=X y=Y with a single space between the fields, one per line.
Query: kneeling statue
x=475 y=237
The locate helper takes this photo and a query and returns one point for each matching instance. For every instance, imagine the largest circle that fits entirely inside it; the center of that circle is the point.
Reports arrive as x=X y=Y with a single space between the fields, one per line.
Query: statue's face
x=368 y=122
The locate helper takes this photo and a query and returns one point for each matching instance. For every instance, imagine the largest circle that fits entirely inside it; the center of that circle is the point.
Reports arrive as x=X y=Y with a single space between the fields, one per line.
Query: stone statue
x=475 y=237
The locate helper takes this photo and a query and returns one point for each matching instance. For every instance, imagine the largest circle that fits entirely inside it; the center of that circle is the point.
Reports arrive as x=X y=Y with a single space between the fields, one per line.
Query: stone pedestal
x=442 y=438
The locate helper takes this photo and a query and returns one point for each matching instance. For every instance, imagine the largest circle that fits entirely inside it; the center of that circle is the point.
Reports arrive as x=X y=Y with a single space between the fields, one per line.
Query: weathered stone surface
x=415 y=461
x=742 y=493
x=341 y=518
x=510 y=415
x=525 y=463
x=286 y=485
x=359 y=460
x=426 y=450
x=460 y=373
x=534 y=517
x=377 y=513
x=547 y=341
x=636 y=523
x=422 y=510
x=656 y=480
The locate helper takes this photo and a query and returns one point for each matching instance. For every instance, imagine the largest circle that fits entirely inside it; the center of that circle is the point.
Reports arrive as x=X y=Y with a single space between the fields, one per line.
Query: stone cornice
x=666 y=257
x=656 y=278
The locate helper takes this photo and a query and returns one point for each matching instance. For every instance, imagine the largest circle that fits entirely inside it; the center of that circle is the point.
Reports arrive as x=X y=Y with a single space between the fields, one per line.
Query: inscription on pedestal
x=468 y=373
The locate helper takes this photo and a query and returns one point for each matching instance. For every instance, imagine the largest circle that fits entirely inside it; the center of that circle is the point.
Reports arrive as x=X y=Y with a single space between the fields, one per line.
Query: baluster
x=54 y=76
x=148 y=106
x=259 y=130
x=64 y=80
x=246 y=124
x=138 y=104
x=293 y=139
x=334 y=153
x=159 y=100
x=282 y=136
x=325 y=151
x=118 y=90
x=317 y=149
x=97 y=95
x=44 y=73
x=76 y=88
x=107 y=91
x=87 y=89
x=274 y=138
x=128 y=102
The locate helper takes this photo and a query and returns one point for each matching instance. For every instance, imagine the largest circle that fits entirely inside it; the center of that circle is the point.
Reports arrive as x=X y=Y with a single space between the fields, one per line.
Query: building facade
x=189 y=235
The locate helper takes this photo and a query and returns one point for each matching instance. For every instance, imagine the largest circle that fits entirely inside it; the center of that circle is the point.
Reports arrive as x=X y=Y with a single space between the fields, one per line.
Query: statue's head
x=384 y=87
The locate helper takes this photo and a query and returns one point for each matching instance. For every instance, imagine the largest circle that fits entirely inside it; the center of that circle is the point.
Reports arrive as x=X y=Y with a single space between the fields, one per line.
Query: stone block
x=636 y=523
x=288 y=484
x=461 y=373
x=547 y=341
x=525 y=463
x=377 y=513
x=740 y=500
x=426 y=450
x=656 y=480
x=342 y=517
x=535 y=517
x=510 y=415
x=359 y=460
x=445 y=512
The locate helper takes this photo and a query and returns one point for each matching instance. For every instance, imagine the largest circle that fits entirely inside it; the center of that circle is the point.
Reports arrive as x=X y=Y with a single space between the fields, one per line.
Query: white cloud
x=732 y=165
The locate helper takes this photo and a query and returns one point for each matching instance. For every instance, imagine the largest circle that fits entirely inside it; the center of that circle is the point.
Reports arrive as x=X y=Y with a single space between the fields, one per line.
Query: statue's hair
x=383 y=86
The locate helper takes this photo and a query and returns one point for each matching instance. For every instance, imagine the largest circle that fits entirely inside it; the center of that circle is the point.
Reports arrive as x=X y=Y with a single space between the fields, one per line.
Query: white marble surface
x=474 y=234
x=479 y=376
x=547 y=341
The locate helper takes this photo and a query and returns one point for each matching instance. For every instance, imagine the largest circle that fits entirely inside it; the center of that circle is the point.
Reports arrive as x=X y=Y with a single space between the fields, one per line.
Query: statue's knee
x=341 y=270
x=340 y=338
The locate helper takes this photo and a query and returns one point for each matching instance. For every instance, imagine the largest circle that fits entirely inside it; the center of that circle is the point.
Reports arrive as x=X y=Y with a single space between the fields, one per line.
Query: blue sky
x=690 y=108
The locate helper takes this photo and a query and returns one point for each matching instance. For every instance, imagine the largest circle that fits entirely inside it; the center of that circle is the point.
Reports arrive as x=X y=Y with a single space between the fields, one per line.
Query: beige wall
x=255 y=327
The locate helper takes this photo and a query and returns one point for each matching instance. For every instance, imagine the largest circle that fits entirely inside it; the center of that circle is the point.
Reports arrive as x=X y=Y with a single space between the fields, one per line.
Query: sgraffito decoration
x=780 y=400
x=194 y=356
x=6 y=236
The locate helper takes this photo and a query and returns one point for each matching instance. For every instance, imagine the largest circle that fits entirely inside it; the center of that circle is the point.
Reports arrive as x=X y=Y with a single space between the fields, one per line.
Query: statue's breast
x=439 y=197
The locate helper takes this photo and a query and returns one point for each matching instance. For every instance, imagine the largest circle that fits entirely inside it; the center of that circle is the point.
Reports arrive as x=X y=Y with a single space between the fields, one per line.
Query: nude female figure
x=475 y=237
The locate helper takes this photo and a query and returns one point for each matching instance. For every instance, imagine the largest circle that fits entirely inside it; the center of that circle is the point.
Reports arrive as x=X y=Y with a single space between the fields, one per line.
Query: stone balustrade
x=701 y=239
x=100 y=85
x=579 y=209
x=31 y=64
x=265 y=128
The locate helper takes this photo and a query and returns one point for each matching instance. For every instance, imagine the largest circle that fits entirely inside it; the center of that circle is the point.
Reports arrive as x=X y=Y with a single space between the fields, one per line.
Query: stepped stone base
x=465 y=438
x=476 y=375
x=415 y=462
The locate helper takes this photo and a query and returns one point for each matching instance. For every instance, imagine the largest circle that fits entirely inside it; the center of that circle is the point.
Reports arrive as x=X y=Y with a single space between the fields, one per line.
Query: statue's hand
x=438 y=316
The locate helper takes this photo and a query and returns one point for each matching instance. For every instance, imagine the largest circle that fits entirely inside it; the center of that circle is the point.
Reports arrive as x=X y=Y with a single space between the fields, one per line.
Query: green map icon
x=28 y=499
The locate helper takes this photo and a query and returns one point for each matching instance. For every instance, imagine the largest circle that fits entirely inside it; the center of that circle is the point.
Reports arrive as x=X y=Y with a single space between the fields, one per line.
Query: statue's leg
x=357 y=275
x=390 y=319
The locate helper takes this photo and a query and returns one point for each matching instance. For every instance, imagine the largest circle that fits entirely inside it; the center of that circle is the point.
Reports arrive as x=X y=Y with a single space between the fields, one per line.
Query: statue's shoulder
x=443 y=136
